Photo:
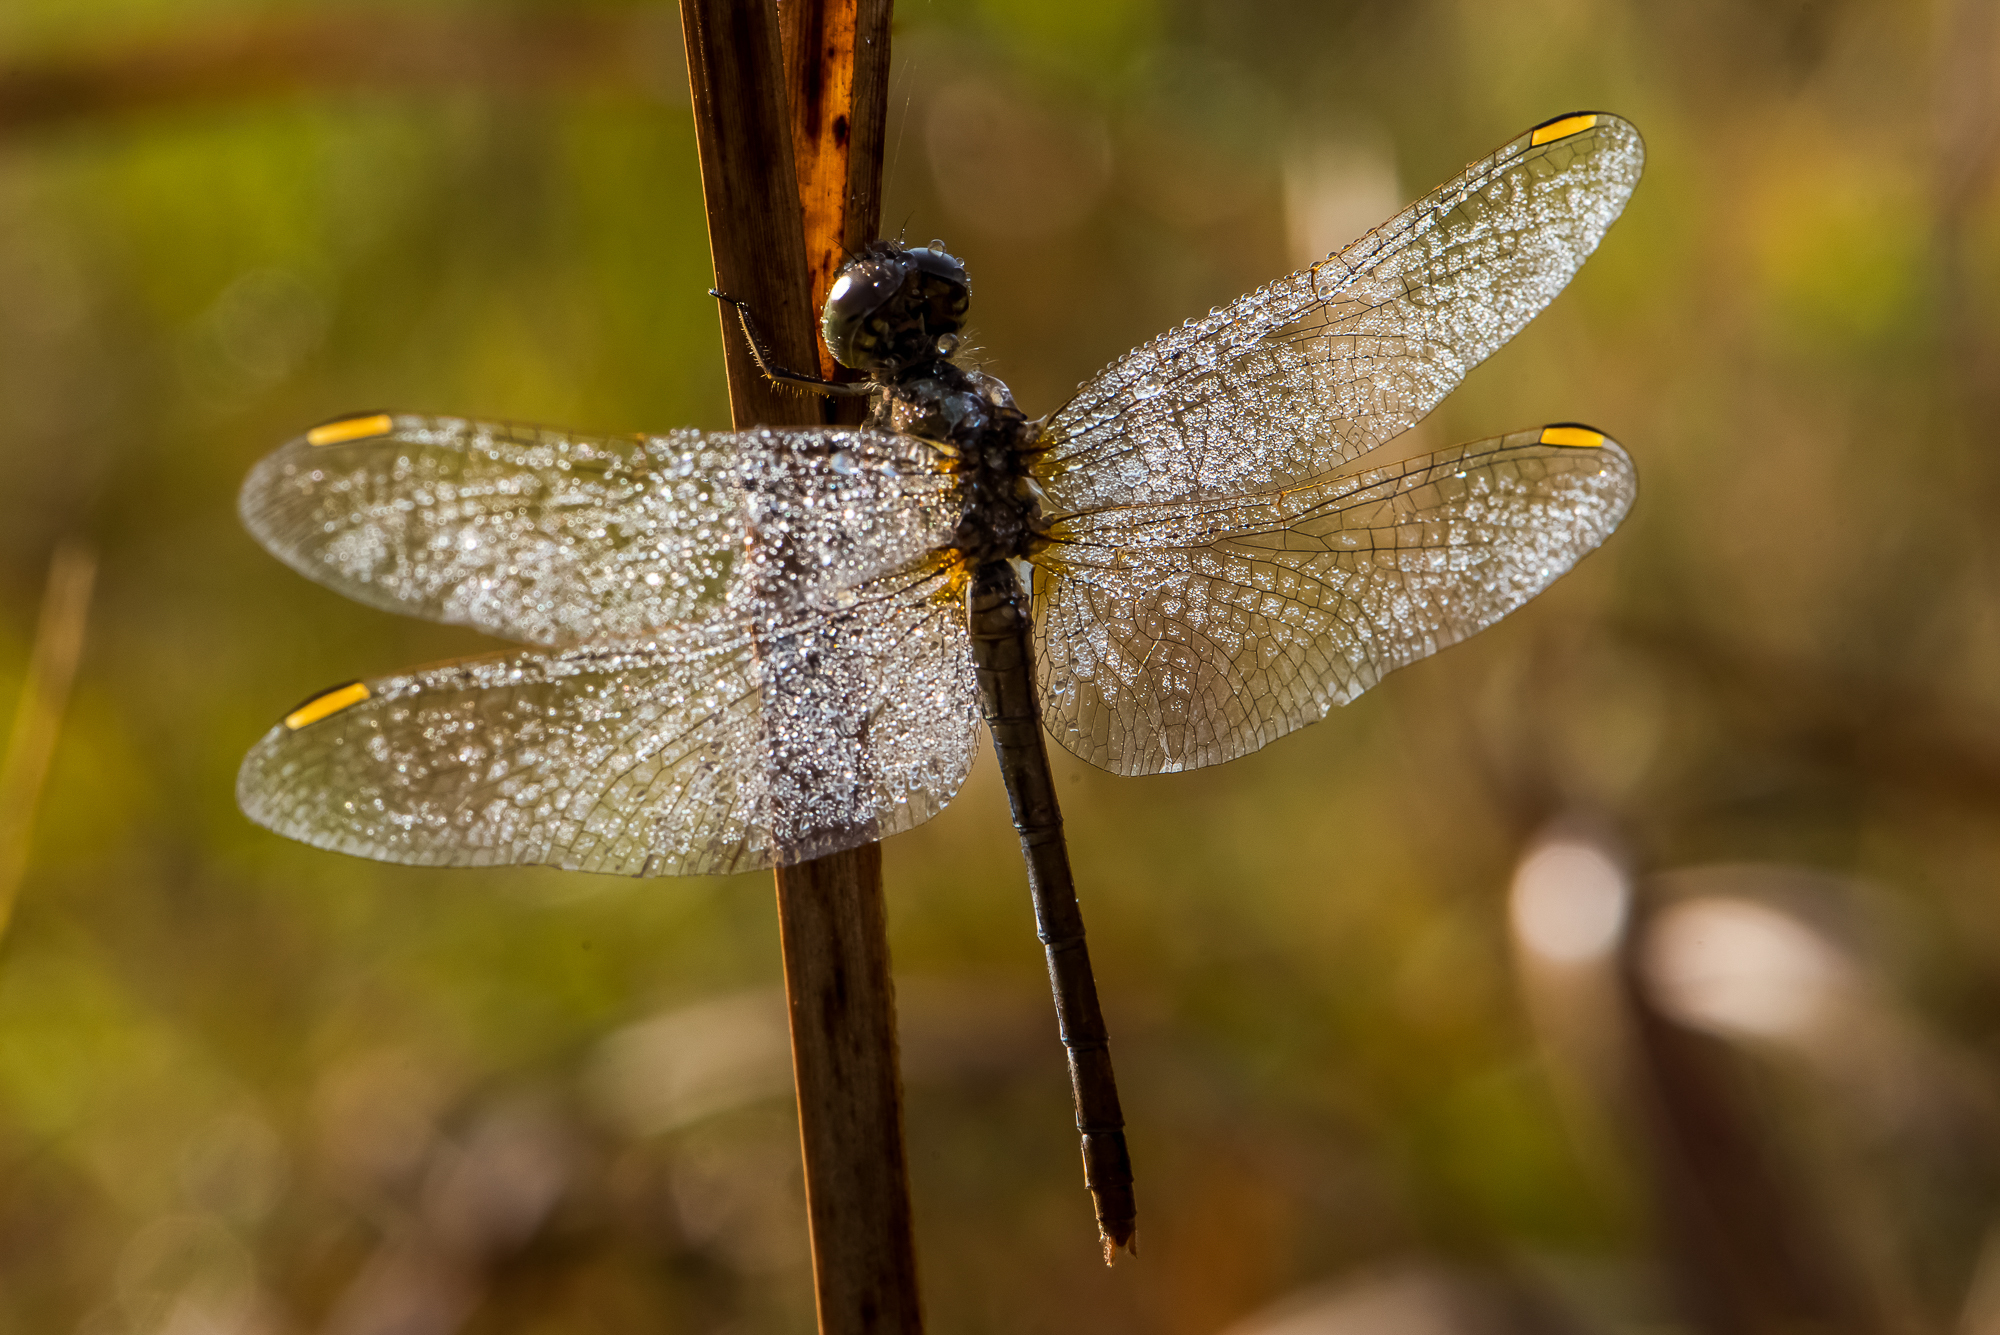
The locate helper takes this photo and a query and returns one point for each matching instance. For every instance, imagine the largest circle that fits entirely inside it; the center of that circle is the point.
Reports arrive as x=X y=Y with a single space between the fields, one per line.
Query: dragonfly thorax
x=984 y=441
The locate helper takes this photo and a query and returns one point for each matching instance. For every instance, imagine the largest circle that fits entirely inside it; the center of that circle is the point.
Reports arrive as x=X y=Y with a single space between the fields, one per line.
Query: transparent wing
x=1177 y=636
x=721 y=747
x=552 y=538
x=1317 y=368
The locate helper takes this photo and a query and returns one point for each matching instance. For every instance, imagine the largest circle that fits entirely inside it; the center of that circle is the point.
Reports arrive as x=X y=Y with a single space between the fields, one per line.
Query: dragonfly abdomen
x=1002 y=659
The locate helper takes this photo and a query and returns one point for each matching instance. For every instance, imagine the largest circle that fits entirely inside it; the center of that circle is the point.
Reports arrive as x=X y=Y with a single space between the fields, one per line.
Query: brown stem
x=844 y=1059
x=837 y=74
x=743 y=133
x=831 y=915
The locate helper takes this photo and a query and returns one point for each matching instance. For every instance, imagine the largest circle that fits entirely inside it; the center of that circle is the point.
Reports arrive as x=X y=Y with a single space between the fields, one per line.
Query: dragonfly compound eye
x=891 y=306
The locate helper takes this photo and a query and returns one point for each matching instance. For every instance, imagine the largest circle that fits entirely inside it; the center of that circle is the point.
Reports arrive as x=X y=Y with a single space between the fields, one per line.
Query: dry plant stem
x=843 y=1016
x=837 y=78
x=38 y=716
x=839 y=119
x=743 y=132
x=830 y=911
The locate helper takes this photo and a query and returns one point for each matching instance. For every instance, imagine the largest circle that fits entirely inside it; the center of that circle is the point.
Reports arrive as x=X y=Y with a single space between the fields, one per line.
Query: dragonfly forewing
x=1315 y=369
x=556 y=538
x=717 y=748
x=1180 y=635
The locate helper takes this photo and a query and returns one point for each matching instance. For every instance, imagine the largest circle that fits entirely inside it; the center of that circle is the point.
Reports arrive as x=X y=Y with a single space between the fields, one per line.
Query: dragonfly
x=751 y=648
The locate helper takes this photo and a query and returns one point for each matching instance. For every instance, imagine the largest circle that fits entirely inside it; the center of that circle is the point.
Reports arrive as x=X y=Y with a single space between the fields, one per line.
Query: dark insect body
x=897 y=314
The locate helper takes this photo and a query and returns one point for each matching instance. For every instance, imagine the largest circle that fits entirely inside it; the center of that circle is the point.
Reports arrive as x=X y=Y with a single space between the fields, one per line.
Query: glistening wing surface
x=556 y=538
x=718 y=747
x=1174 y=636
x=1311 y=371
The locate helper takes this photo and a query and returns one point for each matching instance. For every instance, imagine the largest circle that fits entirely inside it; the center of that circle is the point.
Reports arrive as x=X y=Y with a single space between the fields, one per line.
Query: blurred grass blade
x=631 y=53
x=38 y=715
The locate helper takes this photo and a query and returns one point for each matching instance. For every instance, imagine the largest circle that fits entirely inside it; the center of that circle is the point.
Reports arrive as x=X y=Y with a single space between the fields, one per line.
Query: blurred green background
x=1720 y=1056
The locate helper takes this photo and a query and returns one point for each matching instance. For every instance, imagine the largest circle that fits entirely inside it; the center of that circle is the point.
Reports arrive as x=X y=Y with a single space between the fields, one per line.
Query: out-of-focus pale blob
x=1981 y=1313
x=1568 y=912
x=672 y=1070
x=1411 y=1301
x=480 y=1195
x=377 y=1117
x=1569 y=902
x=1336 y=191
x=1006 y=166
x=235 y=1167
x=188 y=1272
x=504 y=1175
x=1742 y=970
x=402 y=1291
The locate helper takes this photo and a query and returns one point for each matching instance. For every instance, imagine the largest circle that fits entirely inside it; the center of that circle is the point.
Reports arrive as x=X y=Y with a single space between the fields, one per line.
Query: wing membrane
x=1317 y=368
x=554 y=538
x=720 y=747
x=1181 y=635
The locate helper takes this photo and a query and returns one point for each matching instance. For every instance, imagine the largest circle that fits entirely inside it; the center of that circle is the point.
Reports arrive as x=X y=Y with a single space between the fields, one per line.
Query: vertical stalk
x=837 y=76
x=743 y=130
x=779 y=119
x=843 y=1013
x=31 y=746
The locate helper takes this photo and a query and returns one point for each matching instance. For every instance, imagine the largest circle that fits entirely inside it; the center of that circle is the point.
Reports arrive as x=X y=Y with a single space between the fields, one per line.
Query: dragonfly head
x=894 y=306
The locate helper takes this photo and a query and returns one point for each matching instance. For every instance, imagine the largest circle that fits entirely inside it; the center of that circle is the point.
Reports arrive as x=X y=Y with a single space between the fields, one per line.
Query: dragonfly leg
x=1002 y=656
x=760 y=351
